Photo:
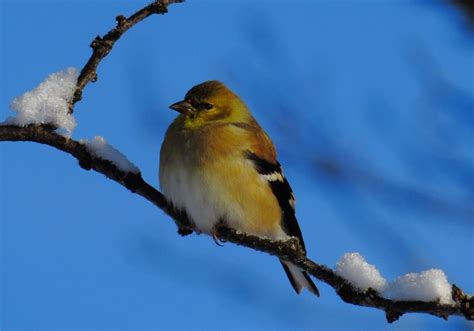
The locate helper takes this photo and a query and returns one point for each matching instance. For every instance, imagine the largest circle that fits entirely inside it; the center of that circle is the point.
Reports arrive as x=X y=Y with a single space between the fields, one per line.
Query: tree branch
x=103 y=45
x=289 y=250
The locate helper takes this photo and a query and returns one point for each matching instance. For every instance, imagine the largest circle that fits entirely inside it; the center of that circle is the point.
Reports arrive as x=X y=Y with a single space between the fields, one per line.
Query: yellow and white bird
x=218 y=165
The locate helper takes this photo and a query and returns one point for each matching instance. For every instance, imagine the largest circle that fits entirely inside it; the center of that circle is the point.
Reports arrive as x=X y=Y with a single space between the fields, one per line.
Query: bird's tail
x=299 y=279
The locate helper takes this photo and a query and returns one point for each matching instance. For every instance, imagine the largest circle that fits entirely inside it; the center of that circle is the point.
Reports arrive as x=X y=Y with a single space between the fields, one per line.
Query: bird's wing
x=273 y=174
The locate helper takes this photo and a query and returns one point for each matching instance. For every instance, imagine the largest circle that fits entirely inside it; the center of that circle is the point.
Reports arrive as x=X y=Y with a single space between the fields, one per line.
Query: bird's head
x=210 y=102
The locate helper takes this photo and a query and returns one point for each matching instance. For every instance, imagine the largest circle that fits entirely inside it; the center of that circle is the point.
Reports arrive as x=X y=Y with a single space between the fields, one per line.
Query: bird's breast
x=207 y=175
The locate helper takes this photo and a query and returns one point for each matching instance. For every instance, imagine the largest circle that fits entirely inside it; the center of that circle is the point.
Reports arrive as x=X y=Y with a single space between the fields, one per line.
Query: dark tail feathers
x=299 y=279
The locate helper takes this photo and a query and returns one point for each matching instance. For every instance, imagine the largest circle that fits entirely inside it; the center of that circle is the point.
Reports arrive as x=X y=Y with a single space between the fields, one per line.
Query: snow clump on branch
x=430 y=285
x=101 y=149
x=359 y=273
x=48 y=103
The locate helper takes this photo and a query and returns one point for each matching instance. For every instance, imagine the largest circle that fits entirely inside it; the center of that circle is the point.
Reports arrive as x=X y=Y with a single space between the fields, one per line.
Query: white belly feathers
x=188 y=189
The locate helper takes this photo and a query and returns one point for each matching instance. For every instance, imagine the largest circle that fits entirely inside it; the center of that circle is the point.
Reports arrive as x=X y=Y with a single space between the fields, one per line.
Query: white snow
x=352 y=267
x=47 y=103
x=101 y=149
x=429 y=285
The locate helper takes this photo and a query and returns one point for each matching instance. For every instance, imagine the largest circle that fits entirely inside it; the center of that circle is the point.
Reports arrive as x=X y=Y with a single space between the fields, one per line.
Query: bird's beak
x=183 y=107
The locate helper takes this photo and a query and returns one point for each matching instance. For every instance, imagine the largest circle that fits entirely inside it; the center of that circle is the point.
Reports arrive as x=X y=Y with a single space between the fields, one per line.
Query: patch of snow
x=101 y=149
x=47 y=103
x=352 y=267
x=429 y=285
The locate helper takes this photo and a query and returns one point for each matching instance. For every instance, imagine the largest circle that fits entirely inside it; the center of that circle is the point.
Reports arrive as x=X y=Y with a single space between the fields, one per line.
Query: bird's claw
x=215 y=233
x=217 y=240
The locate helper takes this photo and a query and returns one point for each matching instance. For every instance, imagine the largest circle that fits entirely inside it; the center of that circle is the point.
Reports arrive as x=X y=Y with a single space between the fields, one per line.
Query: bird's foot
x=217 y=240
x=215 y=233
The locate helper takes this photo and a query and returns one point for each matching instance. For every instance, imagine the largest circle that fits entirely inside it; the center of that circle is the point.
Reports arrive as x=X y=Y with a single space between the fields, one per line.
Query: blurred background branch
x=467 y=7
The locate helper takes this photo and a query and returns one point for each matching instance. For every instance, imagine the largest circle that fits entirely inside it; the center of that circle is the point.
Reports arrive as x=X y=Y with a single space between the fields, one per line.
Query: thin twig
x=103 y=45
x=464 y=304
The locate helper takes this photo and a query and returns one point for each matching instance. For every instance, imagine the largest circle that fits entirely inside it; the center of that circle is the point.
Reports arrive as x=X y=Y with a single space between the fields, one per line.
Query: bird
x=217 y=165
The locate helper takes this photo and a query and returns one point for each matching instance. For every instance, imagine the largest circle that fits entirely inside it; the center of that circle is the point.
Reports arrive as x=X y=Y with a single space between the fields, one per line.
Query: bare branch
x=103 y=45
x=289 y=250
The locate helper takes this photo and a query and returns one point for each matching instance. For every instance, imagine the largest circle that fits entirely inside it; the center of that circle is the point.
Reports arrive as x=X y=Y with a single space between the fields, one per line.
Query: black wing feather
x=282 y=191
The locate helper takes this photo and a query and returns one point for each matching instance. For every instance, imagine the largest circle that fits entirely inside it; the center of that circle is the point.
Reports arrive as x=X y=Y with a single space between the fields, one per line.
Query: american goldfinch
x=218 y=165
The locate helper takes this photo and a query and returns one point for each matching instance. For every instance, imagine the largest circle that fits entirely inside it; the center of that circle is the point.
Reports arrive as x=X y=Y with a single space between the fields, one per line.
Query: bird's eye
x=208 y=106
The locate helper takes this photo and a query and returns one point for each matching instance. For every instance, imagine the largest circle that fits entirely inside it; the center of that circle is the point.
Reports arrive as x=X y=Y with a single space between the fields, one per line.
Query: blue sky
x=370 y=105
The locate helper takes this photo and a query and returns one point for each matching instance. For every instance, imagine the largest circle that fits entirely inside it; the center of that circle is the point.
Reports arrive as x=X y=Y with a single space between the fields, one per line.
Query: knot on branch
x=392 y=315
x=77 y=97
x=121 y=20
x=93 y=77
x=101 y=44
x=466 y=302
x=159 y=7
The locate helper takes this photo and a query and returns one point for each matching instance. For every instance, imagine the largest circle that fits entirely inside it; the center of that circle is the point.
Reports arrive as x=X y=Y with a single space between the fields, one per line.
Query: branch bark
x=290 y=250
